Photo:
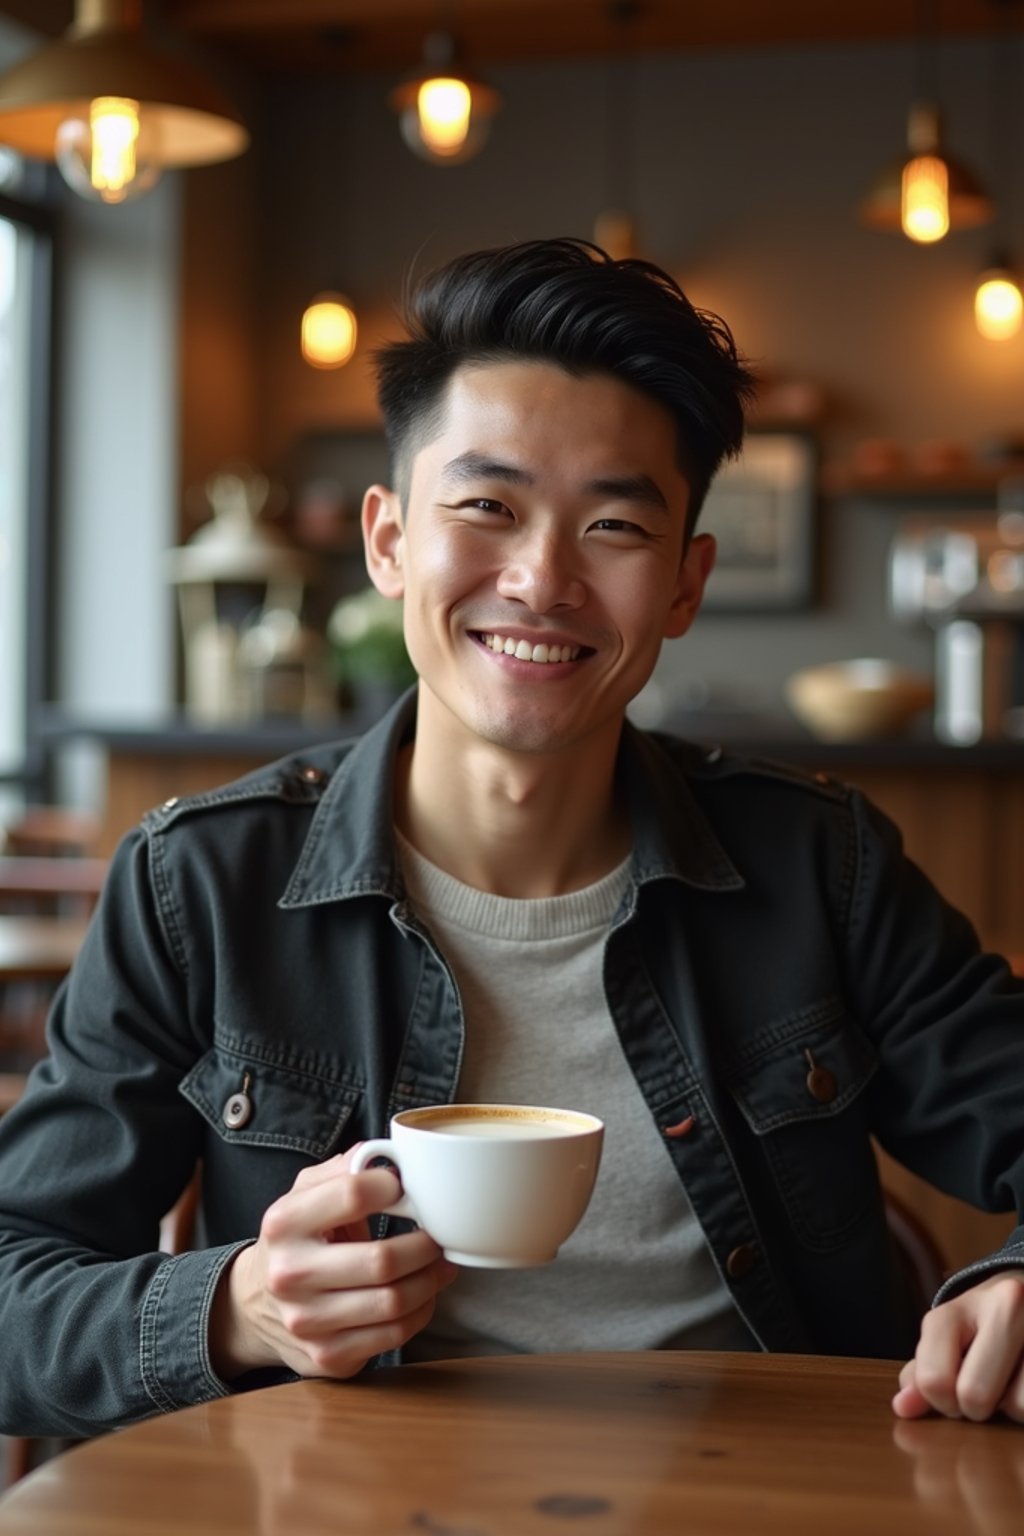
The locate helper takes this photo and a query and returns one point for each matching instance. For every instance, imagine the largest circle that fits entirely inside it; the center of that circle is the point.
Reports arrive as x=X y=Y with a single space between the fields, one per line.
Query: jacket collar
x=672 y=837
x=350 y=848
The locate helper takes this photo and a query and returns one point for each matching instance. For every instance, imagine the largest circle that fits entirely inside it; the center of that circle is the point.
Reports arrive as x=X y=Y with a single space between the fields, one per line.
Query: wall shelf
x=973 y=480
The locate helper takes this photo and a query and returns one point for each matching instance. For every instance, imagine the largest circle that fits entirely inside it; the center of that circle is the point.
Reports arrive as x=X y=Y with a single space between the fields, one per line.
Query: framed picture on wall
x=762 y=510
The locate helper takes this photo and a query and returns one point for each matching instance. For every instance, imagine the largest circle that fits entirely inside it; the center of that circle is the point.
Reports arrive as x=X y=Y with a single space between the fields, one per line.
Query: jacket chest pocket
x=251 y=1102
x=801 y=1095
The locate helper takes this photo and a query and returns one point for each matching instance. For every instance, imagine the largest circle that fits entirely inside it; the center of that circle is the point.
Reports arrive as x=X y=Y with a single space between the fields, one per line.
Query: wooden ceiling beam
x=329 y=36
x=696 y=21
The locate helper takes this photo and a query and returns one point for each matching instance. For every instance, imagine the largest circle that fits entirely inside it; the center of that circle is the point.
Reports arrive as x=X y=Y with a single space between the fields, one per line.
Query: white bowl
x=858 y=700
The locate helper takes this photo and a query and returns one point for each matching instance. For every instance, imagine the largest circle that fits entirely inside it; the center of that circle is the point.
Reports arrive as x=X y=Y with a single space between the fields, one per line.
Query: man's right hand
x=315 y=1292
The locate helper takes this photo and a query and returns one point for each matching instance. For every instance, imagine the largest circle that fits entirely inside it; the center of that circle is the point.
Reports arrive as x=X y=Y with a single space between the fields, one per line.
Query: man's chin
x=533 y=735
x=512 y=729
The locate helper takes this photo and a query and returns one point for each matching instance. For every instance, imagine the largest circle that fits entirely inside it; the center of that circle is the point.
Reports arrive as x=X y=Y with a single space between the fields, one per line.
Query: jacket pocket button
x=238 y=1109
x=821 y=1083
x=740 y=1261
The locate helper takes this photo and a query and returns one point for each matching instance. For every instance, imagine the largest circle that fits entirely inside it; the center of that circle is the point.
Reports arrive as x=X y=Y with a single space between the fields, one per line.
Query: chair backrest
x=919 y=1253
x=51 y=831
x=48 y=885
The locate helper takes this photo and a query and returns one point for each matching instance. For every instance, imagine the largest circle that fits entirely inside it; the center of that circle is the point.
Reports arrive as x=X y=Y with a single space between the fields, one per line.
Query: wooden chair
x=919 y=1253
x=36 y=954
x=47 y=886
x=51 y=831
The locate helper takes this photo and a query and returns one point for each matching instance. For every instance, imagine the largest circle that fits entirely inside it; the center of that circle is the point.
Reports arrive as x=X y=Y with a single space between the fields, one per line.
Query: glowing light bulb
x=329 y=331
x=443 y=109
x=115 y=132
x=924 y=211
x=443 y=113
x=998 y=305
x=100 y=158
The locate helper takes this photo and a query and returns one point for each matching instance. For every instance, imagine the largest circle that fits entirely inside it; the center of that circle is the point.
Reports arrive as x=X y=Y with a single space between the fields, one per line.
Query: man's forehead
x=488 y=403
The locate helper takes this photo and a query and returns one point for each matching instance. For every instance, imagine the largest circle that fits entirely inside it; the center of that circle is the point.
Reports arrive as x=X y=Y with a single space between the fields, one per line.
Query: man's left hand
x=969 y=1362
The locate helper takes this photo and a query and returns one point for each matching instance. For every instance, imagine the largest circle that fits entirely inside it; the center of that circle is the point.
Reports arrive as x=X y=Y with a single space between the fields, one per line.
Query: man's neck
x=514 y=824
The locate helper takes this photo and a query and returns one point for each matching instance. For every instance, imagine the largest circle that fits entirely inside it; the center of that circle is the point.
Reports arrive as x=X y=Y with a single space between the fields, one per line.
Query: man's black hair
x=568 y=303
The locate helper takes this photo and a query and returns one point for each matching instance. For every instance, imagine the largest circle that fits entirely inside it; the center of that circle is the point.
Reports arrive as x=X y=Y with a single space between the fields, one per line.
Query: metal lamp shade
x=188 y=120
x=969 y=204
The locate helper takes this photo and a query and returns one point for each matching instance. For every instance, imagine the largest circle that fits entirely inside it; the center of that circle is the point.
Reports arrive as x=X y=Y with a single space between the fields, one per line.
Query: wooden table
x=39 y=948
x=600 y=1445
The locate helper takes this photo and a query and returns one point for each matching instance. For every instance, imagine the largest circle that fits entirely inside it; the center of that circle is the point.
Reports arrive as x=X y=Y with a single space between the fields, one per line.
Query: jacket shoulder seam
x=298 y=781
x=717 y=763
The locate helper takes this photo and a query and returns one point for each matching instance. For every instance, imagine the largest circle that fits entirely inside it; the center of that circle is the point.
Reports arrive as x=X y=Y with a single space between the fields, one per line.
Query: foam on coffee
x=497 y=1121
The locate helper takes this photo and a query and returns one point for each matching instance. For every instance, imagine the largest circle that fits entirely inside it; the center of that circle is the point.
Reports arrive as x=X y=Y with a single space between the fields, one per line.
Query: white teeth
x=522 y=650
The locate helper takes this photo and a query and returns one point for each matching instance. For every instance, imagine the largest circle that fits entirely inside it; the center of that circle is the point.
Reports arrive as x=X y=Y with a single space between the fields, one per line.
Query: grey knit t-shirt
x=637 y=1272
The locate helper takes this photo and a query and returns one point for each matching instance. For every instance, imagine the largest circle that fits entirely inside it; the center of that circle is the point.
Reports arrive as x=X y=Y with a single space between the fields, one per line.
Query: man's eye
x=485 y=504
x=618 y=525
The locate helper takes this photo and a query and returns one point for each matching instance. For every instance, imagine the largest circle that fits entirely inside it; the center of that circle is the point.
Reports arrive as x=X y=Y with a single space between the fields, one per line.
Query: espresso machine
x=964 y=578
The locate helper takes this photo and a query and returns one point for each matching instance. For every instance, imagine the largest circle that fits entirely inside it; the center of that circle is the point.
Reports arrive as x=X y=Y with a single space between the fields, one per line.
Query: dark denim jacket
x=259 y=936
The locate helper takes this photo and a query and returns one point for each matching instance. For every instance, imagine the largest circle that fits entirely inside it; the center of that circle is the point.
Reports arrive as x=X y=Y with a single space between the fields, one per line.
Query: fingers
x=334 y=1332
x=970 y=1359
x=295 y=1269
x=909 y=1403
x=330 y=1324
x=990 y=1373
x=315 y=1292
x=328 y=1197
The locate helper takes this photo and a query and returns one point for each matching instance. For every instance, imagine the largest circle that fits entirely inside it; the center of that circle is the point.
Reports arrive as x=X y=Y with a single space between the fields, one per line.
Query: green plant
x=366 y=641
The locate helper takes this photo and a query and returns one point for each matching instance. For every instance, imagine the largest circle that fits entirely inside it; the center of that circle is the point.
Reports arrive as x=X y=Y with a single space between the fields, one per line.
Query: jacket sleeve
x=948 y=1023
x=99 y=1328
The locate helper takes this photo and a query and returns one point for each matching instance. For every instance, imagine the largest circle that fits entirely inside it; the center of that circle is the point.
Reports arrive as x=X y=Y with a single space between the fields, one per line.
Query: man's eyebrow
x=479 y=466
x=471 y=465
x=638 y=488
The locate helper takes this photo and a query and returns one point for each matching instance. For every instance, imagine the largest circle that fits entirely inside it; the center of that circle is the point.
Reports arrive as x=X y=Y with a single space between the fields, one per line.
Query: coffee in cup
x=497 y=1186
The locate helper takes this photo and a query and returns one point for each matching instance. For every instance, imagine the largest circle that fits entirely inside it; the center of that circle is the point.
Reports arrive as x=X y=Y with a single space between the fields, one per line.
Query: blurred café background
x=183 y=443
x=181 y=585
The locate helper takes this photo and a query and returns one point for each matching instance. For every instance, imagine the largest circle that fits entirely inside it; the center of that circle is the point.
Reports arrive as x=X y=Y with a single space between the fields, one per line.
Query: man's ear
x=383 y=538
x=696 y=566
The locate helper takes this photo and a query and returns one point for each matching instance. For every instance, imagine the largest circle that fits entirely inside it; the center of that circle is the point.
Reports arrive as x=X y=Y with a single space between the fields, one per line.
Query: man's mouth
x=539 y=652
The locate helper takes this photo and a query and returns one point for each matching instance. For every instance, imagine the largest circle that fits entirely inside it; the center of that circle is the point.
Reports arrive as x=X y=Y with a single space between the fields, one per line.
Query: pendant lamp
x=998 y=300
x=927 y=192
x=329 y=331
x=112 y=108
x=444 y=114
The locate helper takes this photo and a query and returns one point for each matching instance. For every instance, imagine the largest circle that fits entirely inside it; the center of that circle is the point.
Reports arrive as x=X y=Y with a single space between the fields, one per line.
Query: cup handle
x=365 y=1154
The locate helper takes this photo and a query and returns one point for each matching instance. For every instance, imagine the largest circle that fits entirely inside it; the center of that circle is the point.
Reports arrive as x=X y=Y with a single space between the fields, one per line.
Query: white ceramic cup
x=497 y=1186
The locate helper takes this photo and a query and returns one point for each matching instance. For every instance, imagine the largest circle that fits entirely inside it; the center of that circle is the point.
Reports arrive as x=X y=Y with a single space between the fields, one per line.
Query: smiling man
x=505 y=892
x=543 y=555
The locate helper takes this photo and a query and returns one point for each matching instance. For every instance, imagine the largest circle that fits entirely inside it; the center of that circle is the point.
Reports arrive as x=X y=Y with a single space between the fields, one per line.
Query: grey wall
x=746 y=171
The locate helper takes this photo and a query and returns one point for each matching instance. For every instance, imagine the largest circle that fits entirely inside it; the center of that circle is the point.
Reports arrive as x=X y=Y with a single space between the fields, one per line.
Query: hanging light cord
x=1004 y=71
x=927 y=68
x=621 y=94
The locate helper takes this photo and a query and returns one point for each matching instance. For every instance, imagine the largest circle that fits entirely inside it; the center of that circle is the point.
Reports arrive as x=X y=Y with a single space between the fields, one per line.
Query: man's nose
x=542 y=571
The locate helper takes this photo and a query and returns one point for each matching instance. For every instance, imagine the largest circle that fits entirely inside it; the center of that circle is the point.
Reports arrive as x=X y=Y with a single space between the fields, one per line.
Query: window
x=25 y=261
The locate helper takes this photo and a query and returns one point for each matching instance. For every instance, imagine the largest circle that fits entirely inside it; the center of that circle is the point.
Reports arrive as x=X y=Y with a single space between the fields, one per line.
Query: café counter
x=961 y=809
